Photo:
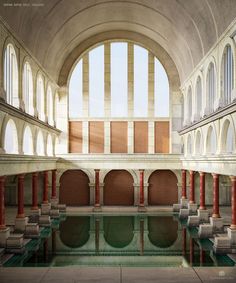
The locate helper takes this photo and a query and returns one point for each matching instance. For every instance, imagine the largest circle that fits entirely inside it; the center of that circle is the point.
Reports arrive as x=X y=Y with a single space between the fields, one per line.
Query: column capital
x=233 y=178
x=191 y=172
x=35 y=174
x=215 y=175
x=97 y=170
x=201 y=173
x=2 y=178
x=21 y=176
x=141 y=170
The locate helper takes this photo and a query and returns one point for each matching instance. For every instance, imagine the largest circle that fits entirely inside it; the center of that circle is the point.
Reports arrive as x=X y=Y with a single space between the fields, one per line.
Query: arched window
x=11 y=76
x=11 y=138
x=198 y=100
x=40 y=98
x=227 y=72
x=211 y=142
x=211 y=88
x=230 y=140
x=40 y=144
x=28 y=142
x=49 y=146
x=118 y=79
x=189 y=105
x=198 y=144
x=28 y=89
x=50 y=106
x=189 y=146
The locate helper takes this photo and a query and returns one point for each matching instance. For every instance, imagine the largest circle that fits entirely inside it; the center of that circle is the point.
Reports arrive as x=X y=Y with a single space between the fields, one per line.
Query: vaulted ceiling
x=186 y=29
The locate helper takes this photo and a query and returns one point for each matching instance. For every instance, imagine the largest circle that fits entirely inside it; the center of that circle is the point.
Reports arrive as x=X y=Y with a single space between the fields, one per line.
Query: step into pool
x=119 y=240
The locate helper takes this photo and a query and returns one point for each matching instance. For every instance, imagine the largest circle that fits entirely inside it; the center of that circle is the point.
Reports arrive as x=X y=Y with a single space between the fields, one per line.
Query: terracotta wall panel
x=75 y=137
x=141 y=137
x=162 y=137
x=96 y=137
x=119 y=137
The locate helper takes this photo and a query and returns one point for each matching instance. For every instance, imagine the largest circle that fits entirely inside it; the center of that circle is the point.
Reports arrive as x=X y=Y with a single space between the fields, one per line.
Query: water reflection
x=140 y=240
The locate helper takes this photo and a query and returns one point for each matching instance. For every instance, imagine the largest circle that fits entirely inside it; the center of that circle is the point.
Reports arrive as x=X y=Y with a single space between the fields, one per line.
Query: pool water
x=115 y=240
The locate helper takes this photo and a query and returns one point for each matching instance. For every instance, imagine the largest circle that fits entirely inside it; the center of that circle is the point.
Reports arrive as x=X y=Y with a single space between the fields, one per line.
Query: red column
x=20 y=212
x=192 y=188
x=202 y=191
x=141 y=196
x=216 y=212
x=34 y=191
x=2 y=203
x=184 y=194
x=97 y=188
x=54 y=184
x=233 y=203
x=45 y=187
x=184 y=242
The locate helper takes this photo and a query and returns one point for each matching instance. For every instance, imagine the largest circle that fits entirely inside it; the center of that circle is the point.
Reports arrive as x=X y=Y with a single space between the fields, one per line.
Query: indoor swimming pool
x=140 y=240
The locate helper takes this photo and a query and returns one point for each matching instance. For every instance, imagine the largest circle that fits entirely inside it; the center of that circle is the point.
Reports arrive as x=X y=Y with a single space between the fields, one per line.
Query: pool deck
x=116 y=274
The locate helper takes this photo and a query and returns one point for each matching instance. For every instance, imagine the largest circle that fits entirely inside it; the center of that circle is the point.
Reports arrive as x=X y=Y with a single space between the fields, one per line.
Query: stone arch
x=212 y=62
x=74 y=231
x=189 y=145
x=28 y=96
x=162 y=231
x=40 y=144
x=154 y=47
x=198 y=146
x=74 y=188
x=163 y=188
x=118 y=188
x=211 y=140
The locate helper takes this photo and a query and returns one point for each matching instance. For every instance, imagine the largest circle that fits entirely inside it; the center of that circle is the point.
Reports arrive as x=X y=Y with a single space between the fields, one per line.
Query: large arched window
x=50 y=105
x=11 y=76
x=118 y=79
x=211 y=144
x=198 y=144
x=189 y=145
x=198 y=95
x=28 y=89
x=211 y=88
x=40 y=144
x=11 y=138
x=40 y=98
x=28 y=141
x=227 y=74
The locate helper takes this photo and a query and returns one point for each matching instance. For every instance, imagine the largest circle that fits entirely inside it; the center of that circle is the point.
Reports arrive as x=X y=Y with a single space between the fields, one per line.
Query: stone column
x=130 y=137
x=107 y=77
x=130 y=79
x=202 y=191
x=192 y=188
x=141 y=190
x=184 y=194
x=216 y=212
x=97 y=191
x=151 y=83
x=34 y=191
x=86 y=85
x=54 y=184
x=151 y=137
x=2 y=203
x=4 y=231
x=45 y=188
x=20 y=221
x=233 y=203
x=20 y=202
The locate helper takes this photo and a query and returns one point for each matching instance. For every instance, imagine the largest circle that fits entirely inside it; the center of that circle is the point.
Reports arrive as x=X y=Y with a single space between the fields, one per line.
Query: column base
x=217 y=224
x=203 y=215
x=20 y=224
x=54 y=203
x=35 y=211
x=192 y=208
x=45 y=208
x=32 y=230
x=15 y=243
x=184 y=202
x=205 y=231
x=54 y=213
x=232 y=235
x=97 y=208
x=45 y=221
x=62 y=208
x=142 y=208
x=4 y=234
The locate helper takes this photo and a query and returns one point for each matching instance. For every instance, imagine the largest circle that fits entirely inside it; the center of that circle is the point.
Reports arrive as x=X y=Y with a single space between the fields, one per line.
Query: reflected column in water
x=53 y=241
x=202 y=257
x=141 y=236
x=97 y=230
x=184 y=242
x=191 y=251
x=45 y=250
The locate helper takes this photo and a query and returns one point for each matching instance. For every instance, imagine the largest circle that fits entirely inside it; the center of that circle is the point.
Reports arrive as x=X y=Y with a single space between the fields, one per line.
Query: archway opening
x=162 y=189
